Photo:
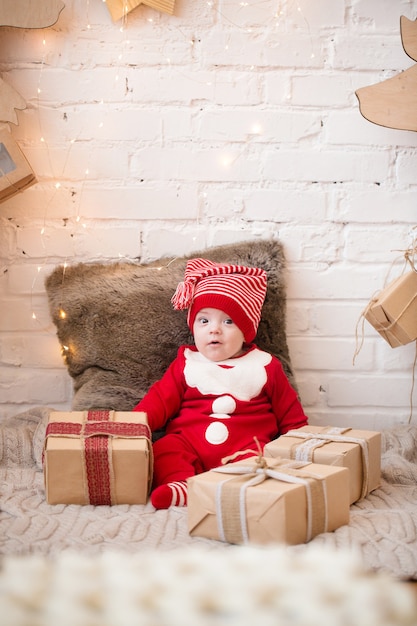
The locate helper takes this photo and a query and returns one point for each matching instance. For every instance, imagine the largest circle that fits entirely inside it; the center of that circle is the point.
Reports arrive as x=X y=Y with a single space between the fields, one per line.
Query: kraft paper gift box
x=97 y=457
x=393 y=313
x=285 y=502
x=357 y=450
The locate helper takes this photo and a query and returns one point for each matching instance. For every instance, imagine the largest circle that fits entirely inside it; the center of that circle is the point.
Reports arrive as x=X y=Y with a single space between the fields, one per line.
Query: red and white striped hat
x=237 y=290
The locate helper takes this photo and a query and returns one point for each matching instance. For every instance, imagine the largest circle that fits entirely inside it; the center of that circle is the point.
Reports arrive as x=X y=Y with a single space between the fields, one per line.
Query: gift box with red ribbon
x=358 y=450
x=97 y=457
x=265 y=501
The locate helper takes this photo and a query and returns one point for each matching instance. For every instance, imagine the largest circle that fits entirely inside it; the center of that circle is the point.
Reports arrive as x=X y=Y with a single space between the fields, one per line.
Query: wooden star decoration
x=393 y=103
x=120 y=8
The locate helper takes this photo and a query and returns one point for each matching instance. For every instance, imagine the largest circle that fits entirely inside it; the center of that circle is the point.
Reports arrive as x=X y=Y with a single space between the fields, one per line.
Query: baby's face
x=216 y=336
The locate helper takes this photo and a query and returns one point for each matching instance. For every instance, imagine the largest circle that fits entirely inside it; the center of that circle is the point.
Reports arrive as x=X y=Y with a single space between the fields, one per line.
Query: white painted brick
x=44 y=200
x=351 y=128
x=217 y=164
x=309 y=388
x=172 y=242
x=101 y=240
x=248 y=14
x=30 y=350
x=79 y=161
x=400 y=359
x=369 y=52
x=321 y=353
x=372 y=390
x=27 y=279
x=339 y=281
x=93 y=85
x=24 y=314
x=7 y=239
x=406 y=167
x=286 y=205
x=386 y=18
x=366 y=244
x=229 y=202
x=298 y=317
x=258 y=126
x=221 y=48
x=336 y=318
x=282 y=50
x=379 y=205
x=327 y=166
x=33 y=385
x=156 y=201
x=98 y=122
x=321 y=90
x=185 y=86
x=321 y=243
x=58 y=240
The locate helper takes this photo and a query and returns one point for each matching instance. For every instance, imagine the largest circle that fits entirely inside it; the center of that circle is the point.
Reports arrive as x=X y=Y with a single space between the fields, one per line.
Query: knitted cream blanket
x=382 y=528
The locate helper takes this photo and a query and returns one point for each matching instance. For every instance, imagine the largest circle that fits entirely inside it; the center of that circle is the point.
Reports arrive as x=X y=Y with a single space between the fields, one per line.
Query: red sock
x=171 y=494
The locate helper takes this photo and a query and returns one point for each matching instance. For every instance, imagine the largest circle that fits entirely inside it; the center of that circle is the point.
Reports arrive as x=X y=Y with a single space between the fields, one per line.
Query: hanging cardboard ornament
x=120 y=8
x=9 y=101
x=393 y=103
x=15 y=171
x=27 y=14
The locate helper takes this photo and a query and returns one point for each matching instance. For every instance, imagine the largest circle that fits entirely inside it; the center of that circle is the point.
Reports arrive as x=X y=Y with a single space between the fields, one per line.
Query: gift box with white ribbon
x=265 y=501
x=358 y=450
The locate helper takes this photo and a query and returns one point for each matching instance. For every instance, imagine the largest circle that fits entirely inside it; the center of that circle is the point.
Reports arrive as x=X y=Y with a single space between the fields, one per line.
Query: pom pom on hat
x=237 y=290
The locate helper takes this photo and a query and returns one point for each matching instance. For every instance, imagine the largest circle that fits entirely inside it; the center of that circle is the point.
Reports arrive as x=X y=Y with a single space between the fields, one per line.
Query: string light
x=226 y=160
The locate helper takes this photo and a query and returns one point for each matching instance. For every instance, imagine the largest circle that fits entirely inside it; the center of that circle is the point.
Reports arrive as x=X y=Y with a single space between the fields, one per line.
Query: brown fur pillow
x=120 y=332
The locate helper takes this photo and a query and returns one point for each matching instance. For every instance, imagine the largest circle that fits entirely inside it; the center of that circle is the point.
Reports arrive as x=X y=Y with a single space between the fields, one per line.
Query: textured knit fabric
x=237 y=290
x=211 y=410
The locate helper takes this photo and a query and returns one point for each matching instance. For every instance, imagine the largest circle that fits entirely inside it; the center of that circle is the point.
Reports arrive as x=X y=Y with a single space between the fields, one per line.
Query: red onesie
x=211 y=410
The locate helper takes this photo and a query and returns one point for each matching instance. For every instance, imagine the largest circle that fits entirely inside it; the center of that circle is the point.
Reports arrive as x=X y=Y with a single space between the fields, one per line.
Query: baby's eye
x=203 y=320
x=228 y=321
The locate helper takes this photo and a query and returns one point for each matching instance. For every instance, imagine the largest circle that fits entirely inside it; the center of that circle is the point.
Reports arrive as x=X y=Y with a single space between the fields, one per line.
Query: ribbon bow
x=231 y=496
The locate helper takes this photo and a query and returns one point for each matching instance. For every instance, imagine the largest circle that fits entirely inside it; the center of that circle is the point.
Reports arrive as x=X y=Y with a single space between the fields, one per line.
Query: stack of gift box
x=300 y=486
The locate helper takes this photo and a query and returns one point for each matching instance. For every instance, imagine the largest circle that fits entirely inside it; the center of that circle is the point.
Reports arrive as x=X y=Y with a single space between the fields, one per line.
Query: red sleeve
x=284 y=399
x=164 y=397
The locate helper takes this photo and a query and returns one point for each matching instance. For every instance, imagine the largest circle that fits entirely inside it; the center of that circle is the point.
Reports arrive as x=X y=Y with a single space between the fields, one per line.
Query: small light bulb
x=62 y=314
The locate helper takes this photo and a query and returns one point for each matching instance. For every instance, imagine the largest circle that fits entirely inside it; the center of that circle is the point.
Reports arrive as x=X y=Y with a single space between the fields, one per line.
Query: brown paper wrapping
x=363 y=461
x=64 y=463
x=275 y=511
x=394 y=312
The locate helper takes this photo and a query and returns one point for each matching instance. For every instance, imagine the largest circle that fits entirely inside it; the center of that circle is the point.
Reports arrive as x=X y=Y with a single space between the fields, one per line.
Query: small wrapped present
x=358 y=450
x=265 y=501
x=97 y=457
x=393 y=313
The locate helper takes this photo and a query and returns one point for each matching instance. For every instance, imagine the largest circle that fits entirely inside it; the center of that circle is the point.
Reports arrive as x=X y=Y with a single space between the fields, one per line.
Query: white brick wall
x=226 y=122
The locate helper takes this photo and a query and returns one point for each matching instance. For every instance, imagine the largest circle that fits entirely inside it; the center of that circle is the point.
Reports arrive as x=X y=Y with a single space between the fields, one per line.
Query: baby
x=222 y=392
